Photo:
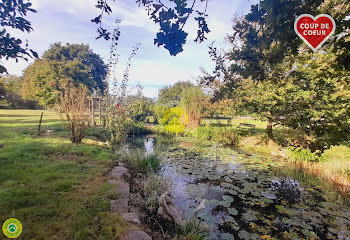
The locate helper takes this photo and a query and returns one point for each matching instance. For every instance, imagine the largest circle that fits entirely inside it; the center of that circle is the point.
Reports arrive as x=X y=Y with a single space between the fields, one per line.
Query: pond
x=247 y=196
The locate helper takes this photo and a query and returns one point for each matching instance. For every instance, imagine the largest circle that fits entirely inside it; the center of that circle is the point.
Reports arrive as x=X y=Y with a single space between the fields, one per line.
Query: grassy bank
x=55 y=188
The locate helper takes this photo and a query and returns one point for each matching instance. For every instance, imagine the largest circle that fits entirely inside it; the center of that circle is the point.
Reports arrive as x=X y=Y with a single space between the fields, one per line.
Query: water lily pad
x=214 y=202
x=225 y=204
x=227 y=198
x=232 y=192
x=204 y=216
x=227 y=236
x=269 y=195
x=249 y=216
x=309 y=233
x=244 y=235
x=232 y=211
x=230 y=219
x=266 y=200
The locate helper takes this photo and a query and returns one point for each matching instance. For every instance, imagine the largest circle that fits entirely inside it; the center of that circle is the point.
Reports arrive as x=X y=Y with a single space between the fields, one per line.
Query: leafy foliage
x=10 y=93
x=271 y=74
x=175 y=120
x=229 y=137
x=45 y=80
x=12 y=13
x=171 y=18
x=171 y=95
x=140 y=107
x=82 y=53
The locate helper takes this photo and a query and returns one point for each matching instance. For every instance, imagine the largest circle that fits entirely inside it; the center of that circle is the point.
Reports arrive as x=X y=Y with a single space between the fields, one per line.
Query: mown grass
x=55 y=188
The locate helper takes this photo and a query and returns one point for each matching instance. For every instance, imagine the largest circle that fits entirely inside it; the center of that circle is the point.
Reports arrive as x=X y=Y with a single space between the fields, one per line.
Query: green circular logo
x=12 y=228
x=174 y=120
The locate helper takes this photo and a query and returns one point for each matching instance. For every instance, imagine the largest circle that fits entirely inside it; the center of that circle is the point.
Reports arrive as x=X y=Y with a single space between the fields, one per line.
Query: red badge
x=314 y=30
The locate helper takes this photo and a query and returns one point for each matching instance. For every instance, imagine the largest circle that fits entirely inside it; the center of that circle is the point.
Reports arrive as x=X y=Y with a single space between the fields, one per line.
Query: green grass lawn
x=55 y=188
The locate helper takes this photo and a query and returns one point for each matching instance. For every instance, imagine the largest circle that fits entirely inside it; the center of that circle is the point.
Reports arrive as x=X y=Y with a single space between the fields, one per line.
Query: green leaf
x=232 y=211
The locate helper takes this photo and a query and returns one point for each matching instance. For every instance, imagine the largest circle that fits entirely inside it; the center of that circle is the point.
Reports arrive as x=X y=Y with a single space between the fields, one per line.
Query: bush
x=229 y=137
x=206 y=132
x=99 y=133
x=138 y=128
x=72 y=109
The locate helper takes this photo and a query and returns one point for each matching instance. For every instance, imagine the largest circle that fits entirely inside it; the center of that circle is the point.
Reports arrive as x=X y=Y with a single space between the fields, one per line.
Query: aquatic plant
x=287 y=188
x=142 y=163
x=192 y=231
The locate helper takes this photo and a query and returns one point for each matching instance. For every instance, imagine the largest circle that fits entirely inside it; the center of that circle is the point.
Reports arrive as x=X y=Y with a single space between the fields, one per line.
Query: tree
x=316 y=99
x=140 y=107
x=45 y=80
x=273 y=75
x=82 y=53
x=12 y=83
x=171 y=95
x=10 y=93
x=12 y=15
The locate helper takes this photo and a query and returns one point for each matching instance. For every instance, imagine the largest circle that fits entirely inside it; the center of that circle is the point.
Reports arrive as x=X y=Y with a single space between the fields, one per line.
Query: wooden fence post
x=41 y=118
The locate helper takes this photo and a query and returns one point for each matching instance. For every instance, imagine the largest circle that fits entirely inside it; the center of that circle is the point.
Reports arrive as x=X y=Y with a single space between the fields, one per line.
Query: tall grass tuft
x=192 y=231
x=141 y=162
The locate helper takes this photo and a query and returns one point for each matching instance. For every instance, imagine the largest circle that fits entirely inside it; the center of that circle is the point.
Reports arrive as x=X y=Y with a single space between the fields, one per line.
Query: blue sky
x=69 y=21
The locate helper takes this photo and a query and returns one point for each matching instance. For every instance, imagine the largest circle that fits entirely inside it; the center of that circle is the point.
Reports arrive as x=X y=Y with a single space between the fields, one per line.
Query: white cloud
x=69 y=21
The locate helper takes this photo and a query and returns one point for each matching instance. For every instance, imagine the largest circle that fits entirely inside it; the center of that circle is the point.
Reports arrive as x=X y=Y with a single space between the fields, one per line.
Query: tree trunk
x=269 y=132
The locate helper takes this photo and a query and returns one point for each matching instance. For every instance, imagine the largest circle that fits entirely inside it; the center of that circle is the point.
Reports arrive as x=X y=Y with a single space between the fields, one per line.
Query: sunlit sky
x=68 y=21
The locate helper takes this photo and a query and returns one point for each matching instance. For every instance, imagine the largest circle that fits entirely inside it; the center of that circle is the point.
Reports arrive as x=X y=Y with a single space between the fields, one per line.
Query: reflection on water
x=149 y=145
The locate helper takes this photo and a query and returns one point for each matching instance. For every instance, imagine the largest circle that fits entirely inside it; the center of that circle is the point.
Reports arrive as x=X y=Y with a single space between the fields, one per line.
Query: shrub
x=229 y=137
x=99 y=133
x=72 y=109
x=302 y=154
x=205 y=133
x=138 y=128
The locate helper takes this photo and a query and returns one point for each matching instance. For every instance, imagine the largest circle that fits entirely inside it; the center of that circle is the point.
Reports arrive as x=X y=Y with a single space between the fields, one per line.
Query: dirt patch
x=186 y=144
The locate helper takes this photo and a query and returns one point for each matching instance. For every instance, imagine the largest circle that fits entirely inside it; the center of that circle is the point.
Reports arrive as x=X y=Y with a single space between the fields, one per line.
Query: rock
x=132 y=217
x=120 y=164
x=137 y=235
x=119 y=206
x=123 y=188
x=120 y=173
